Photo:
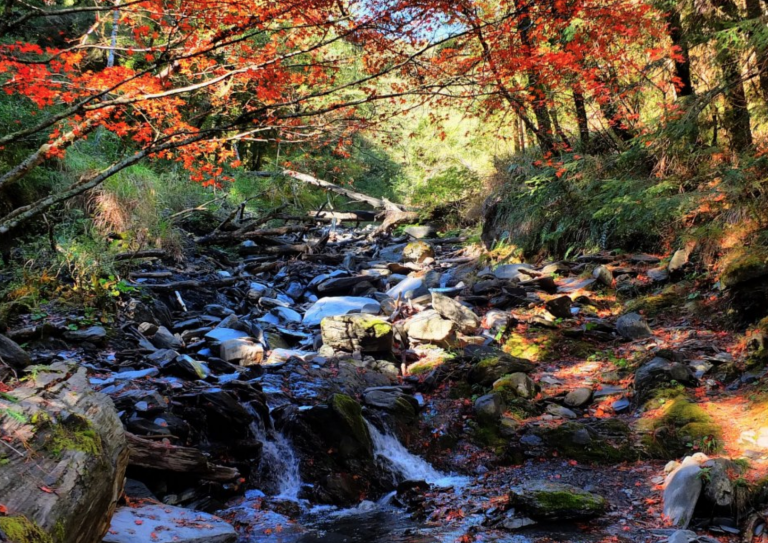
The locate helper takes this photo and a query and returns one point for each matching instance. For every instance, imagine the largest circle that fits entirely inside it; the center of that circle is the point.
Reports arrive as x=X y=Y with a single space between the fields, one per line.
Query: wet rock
x=544 y=500
x=428 y=326
x=417 y=252
x=560 y=411
x=512 y=272
x=454 y=311
x=659 y=372
x=186 y=366
x=226 y=415
x=489 y=365
x=12 y=354
x=242 y=351
x=516 y=384
x=336 y=306
x=220 y=335
x=601 y=440
x=362 y=333
x=164 y=339
x=167 y=524
x=682 y=489
x=560 y=307
x=578 y=397
x=338 y=286
x=67 y=438
x=603 y=275
x=92 y=334
x=489 y=407
x=633 y=326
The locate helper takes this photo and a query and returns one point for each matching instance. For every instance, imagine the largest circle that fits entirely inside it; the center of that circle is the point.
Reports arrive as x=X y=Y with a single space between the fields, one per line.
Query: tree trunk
x=755 y=12
x=683 y=83
x=581 y=115
x=736 y=118
x=559 y=129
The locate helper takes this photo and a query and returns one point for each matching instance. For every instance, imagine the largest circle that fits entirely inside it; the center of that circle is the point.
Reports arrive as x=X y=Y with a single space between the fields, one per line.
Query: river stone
x=167 y=524
x=490 y=364
x=12 y=354
x=362 y=333
x=560 y=411
x=603 y=275
x=560 y=307
x=243 y=351
x=519 y=384
x=165 y=339
x=70 y=440
x=429 y=326
x=409 y=288
x=340 y=305
x=92 y=334
x=660 y=371
x=418 y=251
x=489 y=407
x=682 y=489
x=578 y=397
x=512 y=272
x=633 y=326
x=337 y=286
x=452 y=310
x=545 y=500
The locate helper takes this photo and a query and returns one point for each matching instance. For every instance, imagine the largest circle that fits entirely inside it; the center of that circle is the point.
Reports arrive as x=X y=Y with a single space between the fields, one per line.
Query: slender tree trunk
x=736 y=118
x=683 y=83
x=755 y=11
x=559 y=129
x=581 y=115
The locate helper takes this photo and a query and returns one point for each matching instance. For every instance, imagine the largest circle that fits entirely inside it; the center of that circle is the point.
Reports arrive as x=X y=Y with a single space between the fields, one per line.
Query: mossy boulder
x=354 y=438
x=677 y=428
x=517 y=385
x=19 y=529
x=417 y=252
x=359 y=332
x=658 y=373
x=655 y=304
x=545 y=500
x=488 y=365
x=744 y=265
x=600 y=440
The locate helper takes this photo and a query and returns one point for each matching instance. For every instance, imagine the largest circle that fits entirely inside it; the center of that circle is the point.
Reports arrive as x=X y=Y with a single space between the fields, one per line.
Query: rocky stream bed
x=339 y=385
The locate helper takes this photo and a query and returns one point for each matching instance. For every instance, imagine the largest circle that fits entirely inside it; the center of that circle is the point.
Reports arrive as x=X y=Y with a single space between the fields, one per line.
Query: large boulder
x=489 y=365
x=661 y=372
x=545 y=500
x=13 y=355
x=429 y=327
x=159 y=523
x=682 y=489
x=417 y=252
x=633 y=326
x=65 y=471
x=363 y=333
x=454 y=311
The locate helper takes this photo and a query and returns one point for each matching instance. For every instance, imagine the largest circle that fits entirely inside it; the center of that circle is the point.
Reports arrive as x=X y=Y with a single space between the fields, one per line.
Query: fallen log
x=391 y=219
x=145 y=453
x=149 y=253
x=238 y=236
x=193 y=283
x=377 y=203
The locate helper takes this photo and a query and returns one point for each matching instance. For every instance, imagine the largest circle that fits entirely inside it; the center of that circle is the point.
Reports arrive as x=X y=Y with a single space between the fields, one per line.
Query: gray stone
x=420 y=232
x=393 y=253
x=286 y=314
x=429 y=326
x=243 y=351
x=683 y=536
x=452 y=310
x=680 y=259
x=362 y=333
x=518 y=384
x=633 y=326
x=560 y=411
x=165 y=339
x=718 y=487
x=603 y=275
x=219 y=311
x=560 y=307
x=489 y=407
x=167 y=524
x=578 y=397
x=12 y=354
x=681 y=491
x=660 y=371
x=220 y=335
x=658 y=275
x=512 y=272
x=92 y=334
x=340 y=305
x=409 y=288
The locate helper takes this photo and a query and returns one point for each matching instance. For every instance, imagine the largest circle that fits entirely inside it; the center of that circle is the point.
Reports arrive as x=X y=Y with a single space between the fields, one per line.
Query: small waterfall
x=279 y=465
x=404 y=465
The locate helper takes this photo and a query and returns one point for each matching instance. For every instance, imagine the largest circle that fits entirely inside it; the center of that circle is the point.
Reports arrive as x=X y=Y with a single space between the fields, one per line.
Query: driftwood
x=149 y=253
x=192 y=283
x=157 y=455
x=329 y=216
x=391 y=219
x=239 y=235
x=376 y=203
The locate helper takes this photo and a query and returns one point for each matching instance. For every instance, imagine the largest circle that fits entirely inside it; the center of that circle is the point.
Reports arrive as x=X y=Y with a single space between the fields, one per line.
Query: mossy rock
x=538 y=349
x=680 y=428
x=545 y=500
x=490 y=365
x=602 y=440
x=653 y=305
x=744 y=265
x=758 y=345
x=19 y=529
x=351 y=415
x=515 y=385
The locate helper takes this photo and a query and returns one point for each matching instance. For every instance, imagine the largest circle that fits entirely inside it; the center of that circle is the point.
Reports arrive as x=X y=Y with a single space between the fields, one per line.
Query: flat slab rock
x=167 y=524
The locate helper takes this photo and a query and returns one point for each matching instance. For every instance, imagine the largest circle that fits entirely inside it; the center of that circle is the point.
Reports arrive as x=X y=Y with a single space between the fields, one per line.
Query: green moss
x=744 y=265
x=20 y=529
x=559 y=500
x=73 y=434
x=352 y=415
x=682 y=426
x=521 y=347
x=653 y=304
x=423 y=366
x=602 y=441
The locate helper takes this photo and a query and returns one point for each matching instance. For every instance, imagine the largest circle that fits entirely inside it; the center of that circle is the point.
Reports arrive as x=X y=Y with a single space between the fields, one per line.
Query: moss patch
x=742 y=265
x=558 y=500
x=20 y=529
x=677 y=428
x=73 y=434
x=352 y=415
x=654 y=304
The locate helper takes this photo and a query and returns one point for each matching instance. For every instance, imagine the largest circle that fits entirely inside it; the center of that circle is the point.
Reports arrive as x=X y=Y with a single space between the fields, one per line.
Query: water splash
x=406 y=466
